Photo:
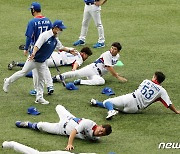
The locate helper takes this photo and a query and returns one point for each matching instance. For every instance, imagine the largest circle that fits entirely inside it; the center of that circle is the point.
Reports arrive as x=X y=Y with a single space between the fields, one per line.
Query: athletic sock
x=33 y=125
x=100 y=104
x=108 y=105
x=20 y=64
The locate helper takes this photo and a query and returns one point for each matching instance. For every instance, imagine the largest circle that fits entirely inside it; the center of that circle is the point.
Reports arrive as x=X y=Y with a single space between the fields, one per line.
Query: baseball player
x=61 y=58
x=97 y=69
x=92 y=9
x=42 y=50
x=148 y=92
x=18 y=147
x=35 y=27
x=71 y=126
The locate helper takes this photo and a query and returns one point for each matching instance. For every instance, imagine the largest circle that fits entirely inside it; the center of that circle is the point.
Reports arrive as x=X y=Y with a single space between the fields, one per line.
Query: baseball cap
x=108 y=91
x=33 y=111
x=35 y=6
x=59 y=24
x=71 y=86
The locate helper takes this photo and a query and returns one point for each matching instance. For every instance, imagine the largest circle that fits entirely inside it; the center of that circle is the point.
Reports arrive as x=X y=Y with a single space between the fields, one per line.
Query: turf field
x=149 y=33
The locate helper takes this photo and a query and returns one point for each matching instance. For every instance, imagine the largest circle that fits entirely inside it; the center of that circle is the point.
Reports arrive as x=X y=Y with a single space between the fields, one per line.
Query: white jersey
x=149 y=92
x=106 y=59
x=64 y=58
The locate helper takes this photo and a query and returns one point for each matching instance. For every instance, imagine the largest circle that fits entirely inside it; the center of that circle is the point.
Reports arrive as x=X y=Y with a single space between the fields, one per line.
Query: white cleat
x=41 y=101
x=93 y=102
x=6 y=84
x=111 y=113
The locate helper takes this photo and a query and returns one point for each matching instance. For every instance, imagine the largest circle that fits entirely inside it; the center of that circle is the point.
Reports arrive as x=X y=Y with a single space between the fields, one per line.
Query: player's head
x=115 y=48
x=85 y=53
x=160 y=77
x=58 y=27
x=103 y=130
x=35 y=7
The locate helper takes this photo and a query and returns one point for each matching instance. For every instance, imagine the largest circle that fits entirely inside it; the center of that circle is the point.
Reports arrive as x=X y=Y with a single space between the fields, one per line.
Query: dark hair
x=87 y=50
x=107 y=128
x=160 y=76
x=35 y=10
x=117 y=45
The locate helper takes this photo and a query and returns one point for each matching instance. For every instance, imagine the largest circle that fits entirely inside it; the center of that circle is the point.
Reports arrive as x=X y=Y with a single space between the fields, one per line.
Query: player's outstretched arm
x=71 y=139
x=113 y=72
x=174 y=109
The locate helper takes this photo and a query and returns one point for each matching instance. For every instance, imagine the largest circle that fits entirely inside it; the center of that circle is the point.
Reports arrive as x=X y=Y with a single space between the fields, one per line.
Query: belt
x=90 y=3
x=135 y=97
x=99 y=71
x=65 y=124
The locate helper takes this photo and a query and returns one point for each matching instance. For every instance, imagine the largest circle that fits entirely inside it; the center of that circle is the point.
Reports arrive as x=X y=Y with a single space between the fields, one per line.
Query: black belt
x=64 y=126
x=90 y=3
x=135 y=97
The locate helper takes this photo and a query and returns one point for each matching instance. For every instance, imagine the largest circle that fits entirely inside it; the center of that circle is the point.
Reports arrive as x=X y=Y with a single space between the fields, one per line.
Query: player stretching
x=96 y=70
x=148 y=92
x=71 y=126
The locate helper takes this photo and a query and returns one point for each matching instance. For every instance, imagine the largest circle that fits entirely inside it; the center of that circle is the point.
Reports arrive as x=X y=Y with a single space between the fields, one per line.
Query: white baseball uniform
x=94 y=71
x=147 y=93
x=67 y=123
x=64 y=58
x=92 y=11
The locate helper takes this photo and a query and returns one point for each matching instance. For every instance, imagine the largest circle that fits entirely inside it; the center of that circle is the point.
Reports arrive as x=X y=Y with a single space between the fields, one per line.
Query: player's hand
x=97 y=3
x=178 y=112
x=122 y=79
x=69 y=147
x=31 y=57
x=73 y=51
x=25 y=52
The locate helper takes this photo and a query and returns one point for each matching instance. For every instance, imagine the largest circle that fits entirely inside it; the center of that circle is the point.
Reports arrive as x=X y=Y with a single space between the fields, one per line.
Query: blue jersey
x=46 y=43
x=35 y=27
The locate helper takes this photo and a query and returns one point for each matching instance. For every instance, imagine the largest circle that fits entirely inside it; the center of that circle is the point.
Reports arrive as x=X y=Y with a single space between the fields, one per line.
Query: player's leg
x=93 y=80
x=96 y=15
x=29 y=65
x=19 y=147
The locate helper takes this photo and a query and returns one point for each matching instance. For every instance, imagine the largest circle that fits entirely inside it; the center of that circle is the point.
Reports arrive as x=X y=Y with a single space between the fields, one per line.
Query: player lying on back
x=148 y=92
x=94 y=71
x=71 y=126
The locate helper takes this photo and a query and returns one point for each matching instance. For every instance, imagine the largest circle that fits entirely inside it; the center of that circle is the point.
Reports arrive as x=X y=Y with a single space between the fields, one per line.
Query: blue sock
x=20 y=64
x=29 y=74
x=108 y=105
x=33 y=125
x=100 y=104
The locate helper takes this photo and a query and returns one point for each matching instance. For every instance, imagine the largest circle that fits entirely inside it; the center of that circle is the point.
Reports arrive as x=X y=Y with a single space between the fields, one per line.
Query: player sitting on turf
x=71 y=126
x=148 y=92
x=97 y=69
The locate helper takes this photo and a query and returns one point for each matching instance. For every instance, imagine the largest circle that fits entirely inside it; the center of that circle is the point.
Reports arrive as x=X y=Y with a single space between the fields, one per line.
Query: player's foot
x=33 y=92
x=22 y=124
x=79 y=42
x=54 y=79
x=99 y=45
x=6 y=84
x=77 y=82
x=11 y=65
x=111 y=113
x=6 y=144
x=41 y=101
x=50 y=90
x=93 y=102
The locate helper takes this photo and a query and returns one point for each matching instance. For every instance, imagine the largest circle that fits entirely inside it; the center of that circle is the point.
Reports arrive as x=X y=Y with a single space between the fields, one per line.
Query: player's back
x=148 y=92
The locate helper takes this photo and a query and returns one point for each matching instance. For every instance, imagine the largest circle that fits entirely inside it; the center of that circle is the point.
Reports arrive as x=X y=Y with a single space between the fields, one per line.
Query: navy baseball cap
x=33 y=111
x=108 y=91
x=35 y=6
x=71 y=86
x=59 y=24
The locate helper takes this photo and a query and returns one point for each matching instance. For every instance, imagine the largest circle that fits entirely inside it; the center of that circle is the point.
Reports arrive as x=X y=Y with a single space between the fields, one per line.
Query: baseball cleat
x=93 y=102
x=111 y=113
x=41 y=101
x=33 y=92
x=6 y=144
x=99 y=45
x=77 y=82
x=22 y=124
x=50 y=90
x=6 y=84
x=54 y=79
x=79 y=42
x=11 y=65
